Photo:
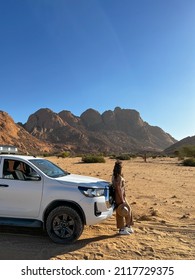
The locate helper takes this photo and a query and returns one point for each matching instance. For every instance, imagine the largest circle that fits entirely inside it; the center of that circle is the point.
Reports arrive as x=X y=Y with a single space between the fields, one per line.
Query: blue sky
x=79 y=54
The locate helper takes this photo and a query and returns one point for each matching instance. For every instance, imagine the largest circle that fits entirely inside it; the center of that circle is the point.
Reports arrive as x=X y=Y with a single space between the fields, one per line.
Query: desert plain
x=162 y=195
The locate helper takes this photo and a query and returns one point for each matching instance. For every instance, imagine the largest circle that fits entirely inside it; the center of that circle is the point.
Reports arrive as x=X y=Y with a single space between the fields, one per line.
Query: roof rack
x=8 y=149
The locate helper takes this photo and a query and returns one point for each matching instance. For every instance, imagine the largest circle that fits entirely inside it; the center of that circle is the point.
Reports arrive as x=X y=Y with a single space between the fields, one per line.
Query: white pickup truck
x=34 y=192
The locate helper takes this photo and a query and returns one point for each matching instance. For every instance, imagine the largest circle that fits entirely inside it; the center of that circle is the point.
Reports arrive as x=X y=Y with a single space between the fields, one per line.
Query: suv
x=34 y=192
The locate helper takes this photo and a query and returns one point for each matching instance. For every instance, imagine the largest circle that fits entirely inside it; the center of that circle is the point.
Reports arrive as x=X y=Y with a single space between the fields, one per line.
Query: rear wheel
x=64 y=225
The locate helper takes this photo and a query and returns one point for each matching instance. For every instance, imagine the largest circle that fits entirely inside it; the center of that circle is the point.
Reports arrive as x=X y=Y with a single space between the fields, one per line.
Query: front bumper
x=96 y=210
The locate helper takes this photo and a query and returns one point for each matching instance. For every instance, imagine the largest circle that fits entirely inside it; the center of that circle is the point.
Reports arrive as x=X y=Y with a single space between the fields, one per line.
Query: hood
x=83 y=180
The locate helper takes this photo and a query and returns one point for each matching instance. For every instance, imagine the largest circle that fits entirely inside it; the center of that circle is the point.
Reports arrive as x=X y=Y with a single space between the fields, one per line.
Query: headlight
x=92 y=192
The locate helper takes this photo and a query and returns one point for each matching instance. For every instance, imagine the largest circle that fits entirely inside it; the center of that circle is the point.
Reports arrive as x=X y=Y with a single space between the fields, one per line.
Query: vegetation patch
x=189 y=162
x=122 y=156
x=187 y=154
x=93 y=159
x=64 y=154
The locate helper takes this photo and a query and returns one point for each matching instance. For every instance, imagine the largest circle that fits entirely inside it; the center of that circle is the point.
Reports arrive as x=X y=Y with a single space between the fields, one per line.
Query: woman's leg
x=129 y=218
x=119 y=221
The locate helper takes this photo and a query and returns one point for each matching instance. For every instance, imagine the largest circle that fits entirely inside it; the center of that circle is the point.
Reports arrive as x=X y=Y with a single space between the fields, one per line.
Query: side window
x=7 y=170
x=29 y=173
x=18 y=170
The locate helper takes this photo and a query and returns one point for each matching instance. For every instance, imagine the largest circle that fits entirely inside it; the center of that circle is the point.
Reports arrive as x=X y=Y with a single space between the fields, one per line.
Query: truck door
x=20 y=190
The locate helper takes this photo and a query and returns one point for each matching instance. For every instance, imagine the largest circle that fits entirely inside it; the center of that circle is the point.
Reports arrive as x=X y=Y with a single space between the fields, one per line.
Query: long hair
x=117 y=171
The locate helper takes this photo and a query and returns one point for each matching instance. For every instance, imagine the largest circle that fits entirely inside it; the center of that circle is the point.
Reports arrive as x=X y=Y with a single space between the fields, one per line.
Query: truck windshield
x=49 y=168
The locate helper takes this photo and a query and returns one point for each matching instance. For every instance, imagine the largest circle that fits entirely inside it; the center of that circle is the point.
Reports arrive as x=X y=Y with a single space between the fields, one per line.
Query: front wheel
x=64 y=225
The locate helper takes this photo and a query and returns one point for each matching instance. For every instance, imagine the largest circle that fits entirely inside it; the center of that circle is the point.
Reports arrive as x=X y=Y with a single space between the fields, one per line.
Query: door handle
x=4 y=186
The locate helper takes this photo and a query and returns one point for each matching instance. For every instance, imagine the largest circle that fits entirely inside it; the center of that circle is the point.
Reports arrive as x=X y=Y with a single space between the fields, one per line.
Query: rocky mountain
x=13 y=134
x=188 y=141
x=121 y=130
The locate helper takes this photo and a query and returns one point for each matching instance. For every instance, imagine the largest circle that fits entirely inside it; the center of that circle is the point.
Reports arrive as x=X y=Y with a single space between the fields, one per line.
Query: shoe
x=124 y=232
x=129 y=229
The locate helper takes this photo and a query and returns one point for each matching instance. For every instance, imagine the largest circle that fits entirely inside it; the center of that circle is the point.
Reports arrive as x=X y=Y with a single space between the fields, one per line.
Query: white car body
x=29 y=201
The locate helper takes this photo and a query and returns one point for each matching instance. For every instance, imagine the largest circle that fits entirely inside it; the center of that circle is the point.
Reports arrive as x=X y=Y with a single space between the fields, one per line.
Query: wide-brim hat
x=123 y=210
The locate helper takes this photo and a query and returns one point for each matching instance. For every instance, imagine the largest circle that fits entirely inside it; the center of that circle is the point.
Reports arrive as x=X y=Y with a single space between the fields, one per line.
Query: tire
x=64 y=225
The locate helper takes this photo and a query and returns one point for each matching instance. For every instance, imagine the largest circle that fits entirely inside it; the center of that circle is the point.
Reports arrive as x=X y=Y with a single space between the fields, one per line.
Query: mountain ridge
x=187 y=141
x=14 y=134
x=117 y=131
x=120 y=130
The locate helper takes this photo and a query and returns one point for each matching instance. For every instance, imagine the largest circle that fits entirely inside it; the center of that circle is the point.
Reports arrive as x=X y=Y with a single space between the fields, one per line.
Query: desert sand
x=162 y=195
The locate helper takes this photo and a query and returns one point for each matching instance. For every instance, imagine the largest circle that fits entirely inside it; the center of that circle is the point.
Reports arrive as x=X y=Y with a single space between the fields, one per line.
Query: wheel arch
x=57 y=203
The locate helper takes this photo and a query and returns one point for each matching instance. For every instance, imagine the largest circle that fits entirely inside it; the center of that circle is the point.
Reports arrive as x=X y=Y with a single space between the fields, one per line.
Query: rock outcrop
x=117 y=131
x=121 y=130
x=14 y=134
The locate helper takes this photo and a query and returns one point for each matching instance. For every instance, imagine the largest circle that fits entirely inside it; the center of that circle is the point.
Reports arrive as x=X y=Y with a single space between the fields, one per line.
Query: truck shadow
x=26 y=244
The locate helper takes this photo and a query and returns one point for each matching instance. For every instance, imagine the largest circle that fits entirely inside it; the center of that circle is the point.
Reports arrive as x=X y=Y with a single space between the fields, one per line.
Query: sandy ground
x=162 y=196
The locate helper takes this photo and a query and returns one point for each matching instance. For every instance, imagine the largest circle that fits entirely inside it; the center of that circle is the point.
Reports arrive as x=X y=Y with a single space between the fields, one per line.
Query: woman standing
x=124 y=218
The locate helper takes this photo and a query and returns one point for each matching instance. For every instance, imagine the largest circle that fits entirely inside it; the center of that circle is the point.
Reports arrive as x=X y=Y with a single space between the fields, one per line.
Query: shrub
x=124 y=157
x=186 y=151
x=93 y=159
x=63 y=155
x=46 y=155
x=189 y=162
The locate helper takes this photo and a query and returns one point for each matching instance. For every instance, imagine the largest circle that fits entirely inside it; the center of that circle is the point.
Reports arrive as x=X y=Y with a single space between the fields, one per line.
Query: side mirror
x=36 y=177
x=33 y=177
